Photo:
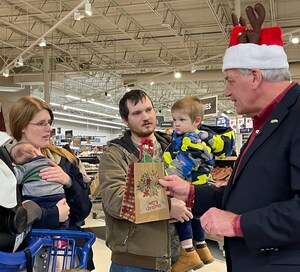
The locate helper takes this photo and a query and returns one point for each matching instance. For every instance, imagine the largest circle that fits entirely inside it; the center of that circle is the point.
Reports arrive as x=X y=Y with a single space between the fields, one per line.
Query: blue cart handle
x=89 y=236
x=19 y=258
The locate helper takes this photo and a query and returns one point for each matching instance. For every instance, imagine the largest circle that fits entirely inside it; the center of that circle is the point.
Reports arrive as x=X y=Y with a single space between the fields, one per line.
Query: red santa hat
x=267 y=54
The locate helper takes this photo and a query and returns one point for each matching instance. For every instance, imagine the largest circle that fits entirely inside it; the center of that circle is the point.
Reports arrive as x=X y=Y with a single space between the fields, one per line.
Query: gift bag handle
x=150 y=144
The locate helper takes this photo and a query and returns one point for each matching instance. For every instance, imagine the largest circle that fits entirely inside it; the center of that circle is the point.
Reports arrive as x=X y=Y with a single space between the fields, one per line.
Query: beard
x=143 y=132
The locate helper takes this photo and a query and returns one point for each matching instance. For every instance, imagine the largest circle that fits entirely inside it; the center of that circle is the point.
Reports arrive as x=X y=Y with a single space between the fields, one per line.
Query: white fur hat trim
x=250 y=56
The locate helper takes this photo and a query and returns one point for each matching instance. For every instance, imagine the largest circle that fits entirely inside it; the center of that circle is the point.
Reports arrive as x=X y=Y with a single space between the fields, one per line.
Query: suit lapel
x=268 y=128
x=266 y=131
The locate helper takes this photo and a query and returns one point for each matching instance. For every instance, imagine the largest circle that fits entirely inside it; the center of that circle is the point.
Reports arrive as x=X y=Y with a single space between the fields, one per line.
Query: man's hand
x=176 y=186
x=218 y=222
x=179 y=211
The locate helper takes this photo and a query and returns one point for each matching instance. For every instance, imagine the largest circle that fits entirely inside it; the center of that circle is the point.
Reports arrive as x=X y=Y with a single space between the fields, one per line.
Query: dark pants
x=190 y=230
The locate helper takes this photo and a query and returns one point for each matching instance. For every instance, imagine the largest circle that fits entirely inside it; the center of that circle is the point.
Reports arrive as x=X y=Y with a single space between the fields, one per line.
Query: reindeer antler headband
x=254 y=47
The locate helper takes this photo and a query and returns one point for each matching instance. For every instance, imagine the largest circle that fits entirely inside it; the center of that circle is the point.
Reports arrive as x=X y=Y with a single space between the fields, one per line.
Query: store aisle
x=102 y=253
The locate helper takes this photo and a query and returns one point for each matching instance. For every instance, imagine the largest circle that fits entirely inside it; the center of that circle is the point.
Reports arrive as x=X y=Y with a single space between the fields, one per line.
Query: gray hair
x=272 y=75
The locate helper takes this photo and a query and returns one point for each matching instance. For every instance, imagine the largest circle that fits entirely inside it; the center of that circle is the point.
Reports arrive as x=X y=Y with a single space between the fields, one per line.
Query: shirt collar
x=260 y=118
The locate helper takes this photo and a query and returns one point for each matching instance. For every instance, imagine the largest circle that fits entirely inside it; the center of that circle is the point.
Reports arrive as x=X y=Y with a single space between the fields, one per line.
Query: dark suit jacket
x=266 y=192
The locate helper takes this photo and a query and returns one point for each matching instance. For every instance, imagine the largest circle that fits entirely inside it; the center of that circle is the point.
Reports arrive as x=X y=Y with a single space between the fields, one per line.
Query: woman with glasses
x=30 y=120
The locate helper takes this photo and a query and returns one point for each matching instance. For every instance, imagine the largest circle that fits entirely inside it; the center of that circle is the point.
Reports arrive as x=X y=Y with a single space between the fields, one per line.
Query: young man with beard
x=135 y=247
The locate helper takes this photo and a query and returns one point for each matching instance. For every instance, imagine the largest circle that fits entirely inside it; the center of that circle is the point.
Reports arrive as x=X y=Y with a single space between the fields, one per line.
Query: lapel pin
x=273 y=121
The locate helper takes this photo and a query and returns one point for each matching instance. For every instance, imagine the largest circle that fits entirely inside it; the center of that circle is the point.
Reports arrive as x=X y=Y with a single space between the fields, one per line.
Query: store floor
x=102 y=253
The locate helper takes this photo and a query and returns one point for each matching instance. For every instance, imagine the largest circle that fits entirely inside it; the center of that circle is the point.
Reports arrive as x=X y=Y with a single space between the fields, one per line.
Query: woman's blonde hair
x=62 y=152
x=22 y=112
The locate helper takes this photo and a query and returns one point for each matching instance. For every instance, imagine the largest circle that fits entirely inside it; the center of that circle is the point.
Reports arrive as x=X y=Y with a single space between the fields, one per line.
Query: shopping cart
x=50 y=250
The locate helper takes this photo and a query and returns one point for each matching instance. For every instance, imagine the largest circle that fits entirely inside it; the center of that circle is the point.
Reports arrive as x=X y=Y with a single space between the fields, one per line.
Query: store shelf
x=90 y=159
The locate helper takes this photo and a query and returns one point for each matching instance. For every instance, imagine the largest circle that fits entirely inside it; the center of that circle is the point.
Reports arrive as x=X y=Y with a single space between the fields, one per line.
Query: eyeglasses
x=43 y=123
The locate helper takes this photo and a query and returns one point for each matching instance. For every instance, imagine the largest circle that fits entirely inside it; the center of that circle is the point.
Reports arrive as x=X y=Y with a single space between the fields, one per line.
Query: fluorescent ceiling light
x=54 y=104
x=177 y=74
x=77 y=15
x=11 y=89
x=102 y=105
x=87 y=118
x=19 y=62
x=91 y=101
x=88 y=111
x=72 y=97
x=86 y=123
x=224 y=115
x=152 y=83
x=295 y=40
x=193 y=70
x=43 y=42
x=88 y=8
x=6 y=72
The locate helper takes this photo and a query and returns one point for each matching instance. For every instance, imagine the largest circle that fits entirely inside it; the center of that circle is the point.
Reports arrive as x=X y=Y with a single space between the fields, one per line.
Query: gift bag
x=144 y=199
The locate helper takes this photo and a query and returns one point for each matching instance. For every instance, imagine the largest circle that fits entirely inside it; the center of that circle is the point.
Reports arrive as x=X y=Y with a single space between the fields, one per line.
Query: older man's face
x=240 y=89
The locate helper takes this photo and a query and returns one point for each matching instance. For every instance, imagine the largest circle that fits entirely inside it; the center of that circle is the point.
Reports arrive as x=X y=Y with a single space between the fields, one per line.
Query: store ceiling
x=127 y=43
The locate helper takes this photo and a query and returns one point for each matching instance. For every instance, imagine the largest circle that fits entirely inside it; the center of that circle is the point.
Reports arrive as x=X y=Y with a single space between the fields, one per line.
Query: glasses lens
x=42 y=124
x=45 y=123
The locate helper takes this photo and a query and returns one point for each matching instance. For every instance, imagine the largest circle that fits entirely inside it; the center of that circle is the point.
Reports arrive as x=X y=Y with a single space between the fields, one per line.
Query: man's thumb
x=163 y=182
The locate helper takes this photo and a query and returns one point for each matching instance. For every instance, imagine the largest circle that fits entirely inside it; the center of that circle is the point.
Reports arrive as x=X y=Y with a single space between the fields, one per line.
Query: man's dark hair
x=134 y=96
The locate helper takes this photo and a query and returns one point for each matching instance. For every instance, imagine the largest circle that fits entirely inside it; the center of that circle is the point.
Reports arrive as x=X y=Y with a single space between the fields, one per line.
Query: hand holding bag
x=144 y=199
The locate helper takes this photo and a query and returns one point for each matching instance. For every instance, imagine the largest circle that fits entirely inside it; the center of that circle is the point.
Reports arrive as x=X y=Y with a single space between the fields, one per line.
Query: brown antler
x=256 y=22
x=251 y=35
x=236 y=21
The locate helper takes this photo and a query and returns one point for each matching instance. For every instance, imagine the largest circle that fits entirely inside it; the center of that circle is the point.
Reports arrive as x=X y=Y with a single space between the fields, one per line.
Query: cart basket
x=50 y=250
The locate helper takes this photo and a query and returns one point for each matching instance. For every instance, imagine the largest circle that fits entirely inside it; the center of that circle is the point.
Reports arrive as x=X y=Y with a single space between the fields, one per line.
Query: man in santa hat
x=258 y=212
